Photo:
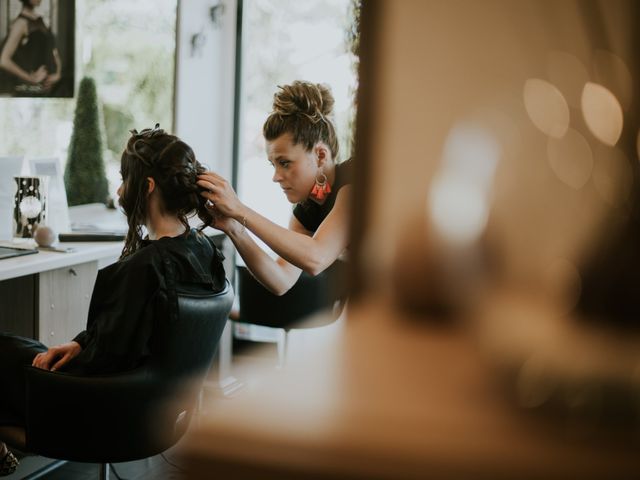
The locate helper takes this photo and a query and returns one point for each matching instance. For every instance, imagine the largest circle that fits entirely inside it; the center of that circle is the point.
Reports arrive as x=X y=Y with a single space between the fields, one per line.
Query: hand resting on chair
x=56 y=357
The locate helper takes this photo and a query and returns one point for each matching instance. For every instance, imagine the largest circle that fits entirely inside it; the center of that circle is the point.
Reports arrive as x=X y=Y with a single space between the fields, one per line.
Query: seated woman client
x=133 y=296
x=302 y=147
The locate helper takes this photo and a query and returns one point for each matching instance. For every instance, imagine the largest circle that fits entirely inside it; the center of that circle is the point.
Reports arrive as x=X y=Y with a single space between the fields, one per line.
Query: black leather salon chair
x=311 y=295
x=132 y=415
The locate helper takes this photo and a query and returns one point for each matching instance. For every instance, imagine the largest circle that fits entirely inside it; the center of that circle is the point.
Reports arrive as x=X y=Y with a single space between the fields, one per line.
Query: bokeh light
x=459 y=210
x=571 y=159
x=546 y=107
x=458 y=202
x=602 y=113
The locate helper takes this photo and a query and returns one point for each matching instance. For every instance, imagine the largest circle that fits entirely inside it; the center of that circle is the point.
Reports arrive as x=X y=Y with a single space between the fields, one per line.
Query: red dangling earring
x=321 y=188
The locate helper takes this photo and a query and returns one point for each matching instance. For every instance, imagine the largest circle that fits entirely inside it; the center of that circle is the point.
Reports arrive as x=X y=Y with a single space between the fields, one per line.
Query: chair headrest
x=191 y=342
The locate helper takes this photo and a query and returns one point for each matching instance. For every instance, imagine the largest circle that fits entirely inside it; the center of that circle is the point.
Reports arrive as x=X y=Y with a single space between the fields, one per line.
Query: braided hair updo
x=174 y=168
x=304 y=110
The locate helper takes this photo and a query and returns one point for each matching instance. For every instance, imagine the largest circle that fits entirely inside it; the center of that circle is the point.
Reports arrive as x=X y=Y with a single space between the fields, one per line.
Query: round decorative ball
x=44 y=236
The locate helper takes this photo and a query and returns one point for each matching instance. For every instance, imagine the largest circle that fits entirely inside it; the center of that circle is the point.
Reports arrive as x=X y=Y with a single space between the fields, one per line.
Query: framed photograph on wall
x=37 y=46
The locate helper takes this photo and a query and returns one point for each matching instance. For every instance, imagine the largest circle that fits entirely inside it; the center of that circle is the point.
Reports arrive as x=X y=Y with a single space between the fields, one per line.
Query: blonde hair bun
x=313 y=100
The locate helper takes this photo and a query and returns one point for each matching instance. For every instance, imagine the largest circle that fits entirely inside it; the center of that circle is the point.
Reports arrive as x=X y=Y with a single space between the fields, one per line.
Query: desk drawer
x=64 y=296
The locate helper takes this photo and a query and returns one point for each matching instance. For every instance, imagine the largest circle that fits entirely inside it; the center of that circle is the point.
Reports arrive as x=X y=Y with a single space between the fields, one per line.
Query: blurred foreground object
x=390 y=400
x=495 y=157
x=505 y=139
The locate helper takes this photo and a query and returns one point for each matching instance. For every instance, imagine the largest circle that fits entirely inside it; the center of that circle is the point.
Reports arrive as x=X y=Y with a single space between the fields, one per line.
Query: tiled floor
x=150 y=468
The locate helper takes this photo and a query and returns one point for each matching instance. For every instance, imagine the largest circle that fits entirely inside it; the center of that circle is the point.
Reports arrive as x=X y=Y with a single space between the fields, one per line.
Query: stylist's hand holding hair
x=302 y=147
x=221 y=194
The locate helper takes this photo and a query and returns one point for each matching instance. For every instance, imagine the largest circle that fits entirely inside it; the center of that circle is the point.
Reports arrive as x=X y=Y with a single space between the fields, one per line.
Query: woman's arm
x=278 y=276
x=18 y=30
x=54 y=77
x=311 y=254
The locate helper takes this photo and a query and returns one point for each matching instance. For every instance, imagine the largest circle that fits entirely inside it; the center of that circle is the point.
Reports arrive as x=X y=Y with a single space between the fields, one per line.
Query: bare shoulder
x=20 y=22
x=19 y=26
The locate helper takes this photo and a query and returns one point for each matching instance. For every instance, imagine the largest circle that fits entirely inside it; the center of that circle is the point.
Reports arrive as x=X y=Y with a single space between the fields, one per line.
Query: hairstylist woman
x=302 y=147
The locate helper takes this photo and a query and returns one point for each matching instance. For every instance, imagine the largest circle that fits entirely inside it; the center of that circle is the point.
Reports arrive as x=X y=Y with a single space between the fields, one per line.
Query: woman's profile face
x=295 y=169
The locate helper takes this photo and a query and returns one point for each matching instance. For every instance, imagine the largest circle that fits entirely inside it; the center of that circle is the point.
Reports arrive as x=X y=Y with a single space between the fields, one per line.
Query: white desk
x=46 y=295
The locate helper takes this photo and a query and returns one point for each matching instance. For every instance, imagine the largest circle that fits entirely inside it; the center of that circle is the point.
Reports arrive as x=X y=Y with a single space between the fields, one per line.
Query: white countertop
x=44 y=260
x=93 y=215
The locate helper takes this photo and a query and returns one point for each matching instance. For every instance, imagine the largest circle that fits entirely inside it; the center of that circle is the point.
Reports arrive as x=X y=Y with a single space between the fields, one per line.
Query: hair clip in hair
x=147 y=132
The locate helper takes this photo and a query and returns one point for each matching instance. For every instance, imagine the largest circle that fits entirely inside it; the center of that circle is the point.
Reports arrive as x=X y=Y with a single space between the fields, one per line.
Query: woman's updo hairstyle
x=174 y=168
x=303 y=109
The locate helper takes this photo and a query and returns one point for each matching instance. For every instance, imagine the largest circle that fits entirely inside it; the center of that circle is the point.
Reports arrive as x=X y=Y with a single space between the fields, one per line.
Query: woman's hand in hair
x=56 y=357
x=218 y=191
x=224 y=223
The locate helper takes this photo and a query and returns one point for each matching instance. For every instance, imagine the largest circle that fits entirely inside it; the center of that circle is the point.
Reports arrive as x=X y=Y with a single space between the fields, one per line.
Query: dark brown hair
x=174 y=168
x=303 y=109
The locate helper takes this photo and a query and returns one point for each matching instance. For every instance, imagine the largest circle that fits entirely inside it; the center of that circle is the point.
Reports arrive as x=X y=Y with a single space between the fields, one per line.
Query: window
x=283 y=41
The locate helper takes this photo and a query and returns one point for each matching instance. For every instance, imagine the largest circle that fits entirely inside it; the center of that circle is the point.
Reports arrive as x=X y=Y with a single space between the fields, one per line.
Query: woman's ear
x=322 y=153
x=152 y=185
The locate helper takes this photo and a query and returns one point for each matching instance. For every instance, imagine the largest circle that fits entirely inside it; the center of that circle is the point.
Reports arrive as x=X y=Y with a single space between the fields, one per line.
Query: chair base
x=45 y=470
x=104 y=471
